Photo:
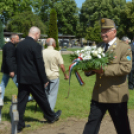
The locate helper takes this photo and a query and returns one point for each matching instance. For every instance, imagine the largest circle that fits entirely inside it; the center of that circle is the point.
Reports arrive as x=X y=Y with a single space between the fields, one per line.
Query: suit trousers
x=37 y=90
x=118 y=113
x=131 y=79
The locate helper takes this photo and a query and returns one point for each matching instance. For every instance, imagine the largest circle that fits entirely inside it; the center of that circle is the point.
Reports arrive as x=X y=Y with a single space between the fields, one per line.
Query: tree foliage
x=93 y=33
x=1 y=35
x=23 y=21
x=67 y=14
x=53 y=30
x=127 y=21
x=9 y=8
x=93 y=10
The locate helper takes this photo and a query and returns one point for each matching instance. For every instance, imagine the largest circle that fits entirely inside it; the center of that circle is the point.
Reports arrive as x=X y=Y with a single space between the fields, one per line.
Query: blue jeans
x=4 y=82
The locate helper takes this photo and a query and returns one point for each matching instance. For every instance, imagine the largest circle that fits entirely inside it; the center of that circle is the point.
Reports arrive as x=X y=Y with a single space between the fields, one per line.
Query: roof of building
x=9 y=33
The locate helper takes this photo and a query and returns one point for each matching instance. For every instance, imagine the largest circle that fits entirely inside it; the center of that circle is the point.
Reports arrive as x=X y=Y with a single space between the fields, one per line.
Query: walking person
x=111 y=89
x=31 y=77
x=53 y=60
x=131 y=74
x=9 y=67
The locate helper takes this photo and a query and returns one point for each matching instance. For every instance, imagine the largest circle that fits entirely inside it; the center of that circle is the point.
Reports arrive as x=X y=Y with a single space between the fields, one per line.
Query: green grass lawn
x=77 y=105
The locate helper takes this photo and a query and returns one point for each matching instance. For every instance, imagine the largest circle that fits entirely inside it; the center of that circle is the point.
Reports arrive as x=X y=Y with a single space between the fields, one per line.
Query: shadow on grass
x=6 y=116
x=26 y=118
x=7 y=99
x=31 y=119
x=35 y=108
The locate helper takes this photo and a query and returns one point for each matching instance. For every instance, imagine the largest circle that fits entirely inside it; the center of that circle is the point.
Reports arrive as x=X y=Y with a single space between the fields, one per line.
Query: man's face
x=54 y=44
x=108 y=34
x=127 y=41
x=15 y=40
x=37 y=36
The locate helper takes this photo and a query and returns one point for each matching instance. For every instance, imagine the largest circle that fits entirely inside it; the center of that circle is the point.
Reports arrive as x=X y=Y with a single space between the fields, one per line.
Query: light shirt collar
x=112 y=41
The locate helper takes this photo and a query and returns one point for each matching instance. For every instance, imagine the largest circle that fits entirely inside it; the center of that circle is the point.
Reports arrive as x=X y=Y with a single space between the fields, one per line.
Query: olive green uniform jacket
x=112 y=86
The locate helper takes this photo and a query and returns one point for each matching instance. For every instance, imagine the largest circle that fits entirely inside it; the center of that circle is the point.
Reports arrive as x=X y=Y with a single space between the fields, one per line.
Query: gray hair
x=50 y=41
x=13 y=35
x=125 y=38
x=34 y=30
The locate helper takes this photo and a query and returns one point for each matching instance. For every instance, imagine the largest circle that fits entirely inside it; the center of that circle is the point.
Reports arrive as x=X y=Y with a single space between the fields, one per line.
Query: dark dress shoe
x=19 y=130
x=58 y=113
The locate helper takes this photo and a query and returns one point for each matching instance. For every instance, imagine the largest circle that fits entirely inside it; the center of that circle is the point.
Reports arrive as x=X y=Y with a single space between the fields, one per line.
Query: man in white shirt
x=53 y=60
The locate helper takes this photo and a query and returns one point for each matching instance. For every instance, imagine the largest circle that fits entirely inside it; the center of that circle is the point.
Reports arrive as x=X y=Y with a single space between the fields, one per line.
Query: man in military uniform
x=111 y=90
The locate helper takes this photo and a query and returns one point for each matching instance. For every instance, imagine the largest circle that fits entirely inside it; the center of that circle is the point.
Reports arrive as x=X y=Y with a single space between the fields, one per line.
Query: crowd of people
x=24 y=64
x=36 y=72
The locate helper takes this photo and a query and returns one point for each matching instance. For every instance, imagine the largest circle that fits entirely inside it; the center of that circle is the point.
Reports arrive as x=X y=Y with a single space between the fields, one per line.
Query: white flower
x=93 y=47
x=77 y=52
x=99 y=56
x=87 y=52
x=100 y=50
x=81 y=55
x=87 y=48
x=82 y=51
x=103 y=54
x=95 y=53
x=87 y=57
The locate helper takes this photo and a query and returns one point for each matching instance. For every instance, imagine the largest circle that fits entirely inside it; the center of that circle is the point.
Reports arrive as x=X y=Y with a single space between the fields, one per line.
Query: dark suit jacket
x=9 y=59
x=30 y=63
x=132 y=47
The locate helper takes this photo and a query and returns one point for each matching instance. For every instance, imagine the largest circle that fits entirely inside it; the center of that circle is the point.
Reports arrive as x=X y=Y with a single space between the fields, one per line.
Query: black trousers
x=37 y=90
x=131 y=80
x=118 y=113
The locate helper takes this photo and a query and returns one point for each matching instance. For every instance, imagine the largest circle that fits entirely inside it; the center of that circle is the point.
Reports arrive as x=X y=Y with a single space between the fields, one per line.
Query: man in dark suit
x=9 y=67
x=31 y=77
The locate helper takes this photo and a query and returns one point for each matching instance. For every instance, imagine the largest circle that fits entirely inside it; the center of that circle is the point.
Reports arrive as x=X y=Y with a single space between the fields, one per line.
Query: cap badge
x=102 y=21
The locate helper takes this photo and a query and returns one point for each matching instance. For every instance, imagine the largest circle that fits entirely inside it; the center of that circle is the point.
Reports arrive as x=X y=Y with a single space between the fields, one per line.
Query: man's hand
x=46 y=84
x=11 y=74
x=66 y=77
x=100 y=71
x=88 y=73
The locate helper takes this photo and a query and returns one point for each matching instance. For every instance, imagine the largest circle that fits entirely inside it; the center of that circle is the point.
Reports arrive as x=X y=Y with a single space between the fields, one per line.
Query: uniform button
x=100 y=85
x=100 y=77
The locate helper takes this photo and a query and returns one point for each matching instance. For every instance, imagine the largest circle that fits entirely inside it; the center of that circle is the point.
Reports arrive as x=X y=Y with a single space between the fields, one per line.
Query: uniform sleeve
x=123 y=67
x=40 y=64
x=60 y=59
x=9 y=54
